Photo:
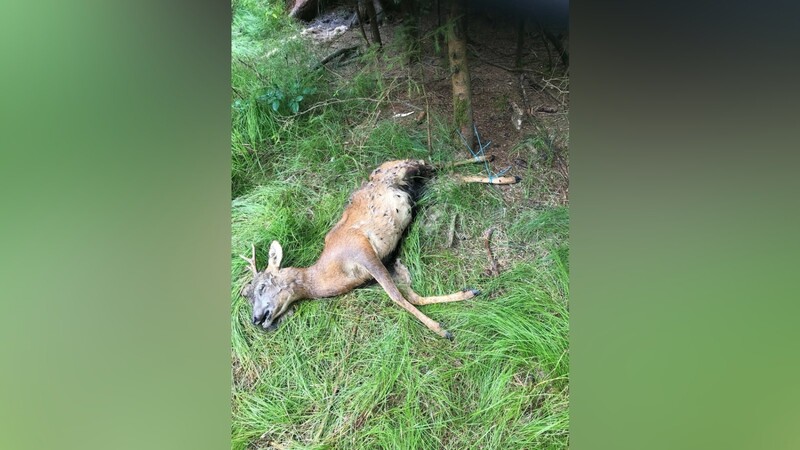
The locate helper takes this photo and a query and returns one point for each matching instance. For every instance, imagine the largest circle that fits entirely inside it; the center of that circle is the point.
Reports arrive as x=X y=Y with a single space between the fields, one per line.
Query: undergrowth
x=356 y=371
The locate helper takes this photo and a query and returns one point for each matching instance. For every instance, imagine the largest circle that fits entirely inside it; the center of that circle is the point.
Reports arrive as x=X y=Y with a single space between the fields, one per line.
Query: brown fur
x=355 y=248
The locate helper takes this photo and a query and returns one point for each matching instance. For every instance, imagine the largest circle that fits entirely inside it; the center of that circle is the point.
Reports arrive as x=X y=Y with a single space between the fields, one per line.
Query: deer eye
x=261 y=289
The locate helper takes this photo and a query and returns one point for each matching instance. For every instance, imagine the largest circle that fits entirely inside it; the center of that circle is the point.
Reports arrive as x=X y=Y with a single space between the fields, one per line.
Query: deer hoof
x=475 y=292
x=448 y=335
x=517 y=178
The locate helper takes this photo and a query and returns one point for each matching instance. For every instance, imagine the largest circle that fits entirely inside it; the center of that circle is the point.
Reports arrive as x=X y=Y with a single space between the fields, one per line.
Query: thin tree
x=459 y=69
x=373 y=22
x=410 y=30
x=360 y=18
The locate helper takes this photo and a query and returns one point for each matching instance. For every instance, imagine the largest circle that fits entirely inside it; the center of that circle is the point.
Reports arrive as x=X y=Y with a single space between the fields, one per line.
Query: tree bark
x=304 y=9
x=373 y=22
x=459 y=69
x=361 y=22
x=410 y=28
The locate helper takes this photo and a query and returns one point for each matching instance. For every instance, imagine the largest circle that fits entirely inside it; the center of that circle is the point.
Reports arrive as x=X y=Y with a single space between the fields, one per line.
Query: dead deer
x=355 y=249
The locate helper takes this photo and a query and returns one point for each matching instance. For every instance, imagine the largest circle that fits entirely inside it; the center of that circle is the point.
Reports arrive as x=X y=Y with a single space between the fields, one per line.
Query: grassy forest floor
x=356 y=371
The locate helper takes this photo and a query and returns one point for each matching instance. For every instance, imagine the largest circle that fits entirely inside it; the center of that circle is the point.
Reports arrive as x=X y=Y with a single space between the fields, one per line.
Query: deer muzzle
x=263 y=317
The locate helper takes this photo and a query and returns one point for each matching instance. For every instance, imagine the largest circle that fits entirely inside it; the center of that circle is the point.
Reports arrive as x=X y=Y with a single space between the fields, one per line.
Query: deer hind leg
x=488 y=180
x=402 y=278
x=478 y=159
x=476 y=179
x=375 y=267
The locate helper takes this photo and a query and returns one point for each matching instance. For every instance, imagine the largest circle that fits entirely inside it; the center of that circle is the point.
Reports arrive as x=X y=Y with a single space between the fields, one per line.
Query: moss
x=460 y=109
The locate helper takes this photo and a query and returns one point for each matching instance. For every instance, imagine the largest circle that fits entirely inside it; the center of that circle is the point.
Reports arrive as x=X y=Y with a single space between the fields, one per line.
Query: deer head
x=272 y=291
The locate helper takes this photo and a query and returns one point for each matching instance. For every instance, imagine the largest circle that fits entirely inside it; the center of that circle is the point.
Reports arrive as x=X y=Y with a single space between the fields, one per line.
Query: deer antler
x=251 y=260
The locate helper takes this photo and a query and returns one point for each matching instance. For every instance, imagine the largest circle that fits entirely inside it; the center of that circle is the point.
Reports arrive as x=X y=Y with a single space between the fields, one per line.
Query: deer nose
x=259 y=317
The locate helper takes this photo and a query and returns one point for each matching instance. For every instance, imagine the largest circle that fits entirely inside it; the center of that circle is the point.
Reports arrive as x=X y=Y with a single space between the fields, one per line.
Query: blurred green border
x=115 y=177
x=684 y=219
x=114 y=174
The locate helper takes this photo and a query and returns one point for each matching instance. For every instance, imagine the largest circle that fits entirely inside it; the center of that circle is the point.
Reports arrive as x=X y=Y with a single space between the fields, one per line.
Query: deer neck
x=305 y=282
x=317 y=281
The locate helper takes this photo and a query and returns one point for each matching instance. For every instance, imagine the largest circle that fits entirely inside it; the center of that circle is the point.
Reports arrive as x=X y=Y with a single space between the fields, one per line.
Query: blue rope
x=481 y=152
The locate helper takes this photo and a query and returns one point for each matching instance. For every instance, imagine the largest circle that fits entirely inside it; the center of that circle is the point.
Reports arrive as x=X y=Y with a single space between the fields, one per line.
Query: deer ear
x=275 y=256
x=247 y=292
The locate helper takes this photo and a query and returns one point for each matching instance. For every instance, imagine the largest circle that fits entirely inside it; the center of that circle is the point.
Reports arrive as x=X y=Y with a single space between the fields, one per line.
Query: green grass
x=356 y=371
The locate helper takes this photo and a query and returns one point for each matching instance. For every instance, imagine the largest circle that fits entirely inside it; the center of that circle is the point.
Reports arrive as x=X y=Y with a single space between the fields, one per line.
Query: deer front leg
x=402 y=277
x=375 y=267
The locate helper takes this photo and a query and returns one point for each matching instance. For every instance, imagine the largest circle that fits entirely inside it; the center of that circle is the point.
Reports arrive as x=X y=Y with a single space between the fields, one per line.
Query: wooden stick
x=479 y=159
x=487 y=180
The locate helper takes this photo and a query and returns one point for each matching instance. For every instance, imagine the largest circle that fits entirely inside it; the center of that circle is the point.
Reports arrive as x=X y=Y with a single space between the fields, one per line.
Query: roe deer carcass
x=355 y=249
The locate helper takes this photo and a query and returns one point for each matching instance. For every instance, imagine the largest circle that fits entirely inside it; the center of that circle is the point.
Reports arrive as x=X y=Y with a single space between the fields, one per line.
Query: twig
x=542 y=89
x=524 y=93
x=493 y=269
x=427 y=117
x=548 y=82
x=361 y=24
x=252 y=68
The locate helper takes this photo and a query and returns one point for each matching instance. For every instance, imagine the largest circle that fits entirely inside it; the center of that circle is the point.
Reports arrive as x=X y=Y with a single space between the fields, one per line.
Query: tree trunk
x=360 y=18
x=373 y=22
x=304 y=9
x=459 y=69
x=410 y=29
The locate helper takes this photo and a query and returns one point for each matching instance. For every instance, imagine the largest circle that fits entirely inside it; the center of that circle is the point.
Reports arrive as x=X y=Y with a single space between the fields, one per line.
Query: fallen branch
x=335 y=54
x=524 y=93
x=545 y=109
